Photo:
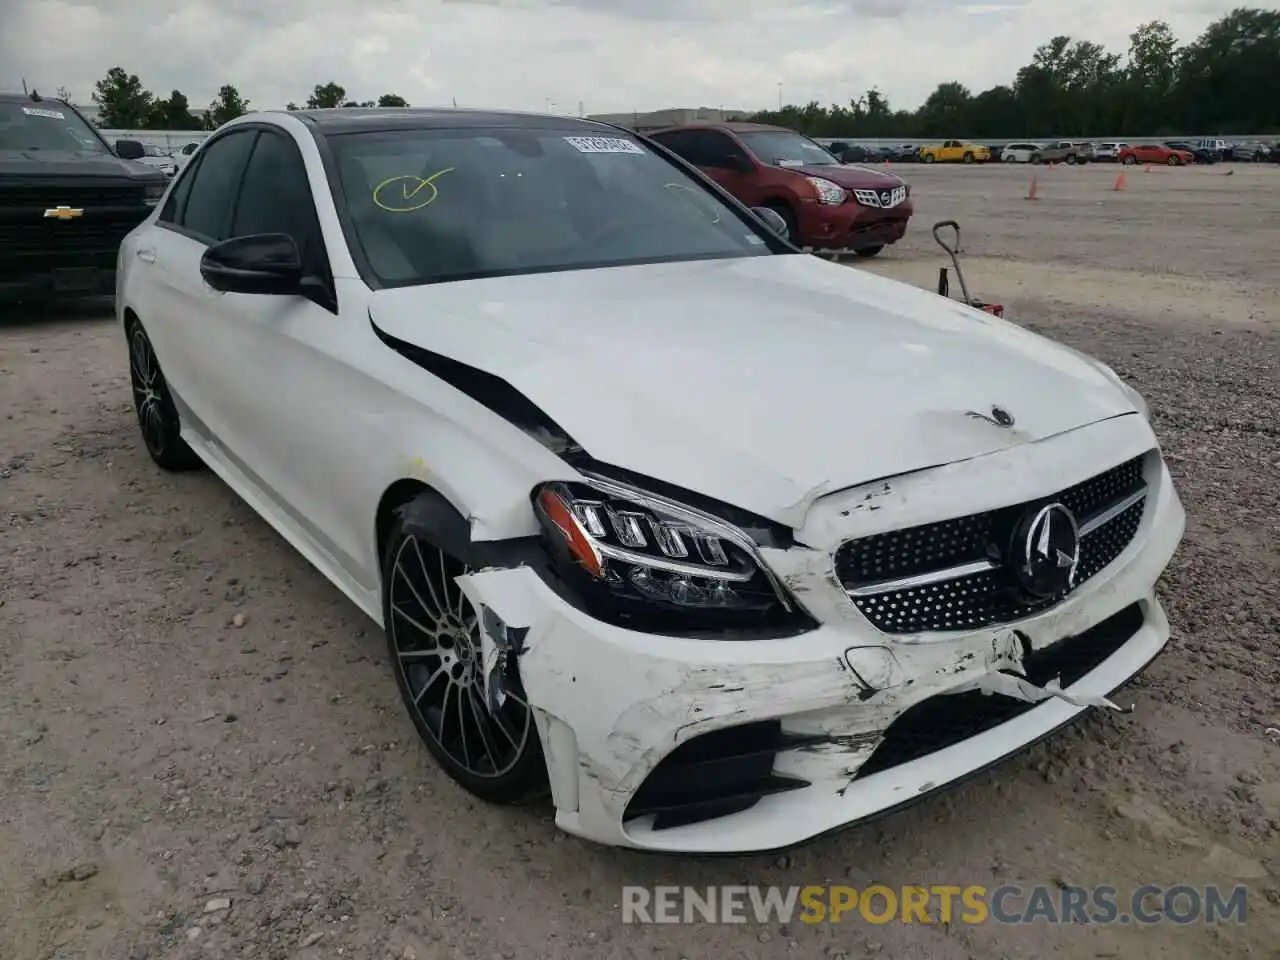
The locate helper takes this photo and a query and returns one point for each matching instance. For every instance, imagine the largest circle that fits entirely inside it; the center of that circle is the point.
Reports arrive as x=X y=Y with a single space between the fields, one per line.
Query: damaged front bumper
x=716 y=745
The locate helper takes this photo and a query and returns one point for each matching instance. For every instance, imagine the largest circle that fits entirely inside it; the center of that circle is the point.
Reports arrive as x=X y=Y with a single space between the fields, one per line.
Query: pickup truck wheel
x=433 y=636
x=968 y=158
x=868 y=252
x=157 y=415
x=1071 y=159
x=927 y=158
x=784 y=211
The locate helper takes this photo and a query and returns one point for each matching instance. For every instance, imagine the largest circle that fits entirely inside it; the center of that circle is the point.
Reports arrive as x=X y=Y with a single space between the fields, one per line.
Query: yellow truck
x=955 y=151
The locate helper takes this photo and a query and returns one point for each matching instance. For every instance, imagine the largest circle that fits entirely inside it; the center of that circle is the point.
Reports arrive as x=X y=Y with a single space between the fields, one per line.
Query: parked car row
x=1206 y=150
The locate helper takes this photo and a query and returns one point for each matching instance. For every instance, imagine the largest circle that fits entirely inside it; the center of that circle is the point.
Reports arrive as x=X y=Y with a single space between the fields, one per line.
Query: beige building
x=672 y=117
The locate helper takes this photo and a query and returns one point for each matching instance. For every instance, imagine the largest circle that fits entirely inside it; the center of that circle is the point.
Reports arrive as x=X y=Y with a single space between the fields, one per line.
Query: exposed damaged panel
x=949 y=718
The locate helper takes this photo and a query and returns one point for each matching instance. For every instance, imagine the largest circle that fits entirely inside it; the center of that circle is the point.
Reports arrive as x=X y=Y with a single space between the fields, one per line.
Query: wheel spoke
x=441 y=609
x=462 y=725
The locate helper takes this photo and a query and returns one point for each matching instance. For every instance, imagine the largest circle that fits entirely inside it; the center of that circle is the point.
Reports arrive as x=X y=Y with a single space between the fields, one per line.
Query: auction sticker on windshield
x=604 y=145
x=41 y=112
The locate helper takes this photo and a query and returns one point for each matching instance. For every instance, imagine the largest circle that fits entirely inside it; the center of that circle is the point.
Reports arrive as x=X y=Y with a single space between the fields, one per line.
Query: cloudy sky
x=612 y=55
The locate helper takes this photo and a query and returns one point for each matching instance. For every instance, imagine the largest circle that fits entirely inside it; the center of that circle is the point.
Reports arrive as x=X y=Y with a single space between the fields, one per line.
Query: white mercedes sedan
x=720 y=545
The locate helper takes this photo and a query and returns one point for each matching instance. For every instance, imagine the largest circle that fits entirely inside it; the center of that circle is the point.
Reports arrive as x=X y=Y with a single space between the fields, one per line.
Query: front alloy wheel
x=484 y=736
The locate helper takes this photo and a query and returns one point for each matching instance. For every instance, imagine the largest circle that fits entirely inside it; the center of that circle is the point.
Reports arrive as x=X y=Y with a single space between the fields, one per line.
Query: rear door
x=723 y=159
x=175 y=304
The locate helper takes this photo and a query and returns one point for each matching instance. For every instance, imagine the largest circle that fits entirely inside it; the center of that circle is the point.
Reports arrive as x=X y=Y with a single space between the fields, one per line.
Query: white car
x=1109 y=150
x=1021 y=152
x=154 y=157
x=722 y=545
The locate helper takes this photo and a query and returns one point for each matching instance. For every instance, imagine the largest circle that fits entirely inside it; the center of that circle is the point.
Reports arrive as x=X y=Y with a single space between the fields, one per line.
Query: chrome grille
x=883 y=199
x=954 y=574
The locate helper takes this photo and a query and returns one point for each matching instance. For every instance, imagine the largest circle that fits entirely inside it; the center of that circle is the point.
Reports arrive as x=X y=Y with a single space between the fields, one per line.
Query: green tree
x=172 y=113
x=226 y=107
x=123 y=102
x=1226 y=81
x=392 y=100
x=64 y=94
x=326 y=95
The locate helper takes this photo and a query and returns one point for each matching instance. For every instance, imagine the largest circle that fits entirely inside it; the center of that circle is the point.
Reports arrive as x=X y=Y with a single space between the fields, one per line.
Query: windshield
x=434 y=205
x=45 y=125
x=782 y=148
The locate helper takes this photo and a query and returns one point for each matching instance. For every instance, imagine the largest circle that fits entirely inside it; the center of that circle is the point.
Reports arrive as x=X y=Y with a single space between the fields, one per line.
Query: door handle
x=146 y=255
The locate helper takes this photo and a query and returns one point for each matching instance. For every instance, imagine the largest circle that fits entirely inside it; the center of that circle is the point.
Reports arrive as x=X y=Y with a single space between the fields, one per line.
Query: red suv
x=826 y=205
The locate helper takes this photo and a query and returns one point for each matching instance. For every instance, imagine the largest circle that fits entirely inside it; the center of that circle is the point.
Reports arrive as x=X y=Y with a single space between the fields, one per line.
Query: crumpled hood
x=762 y=382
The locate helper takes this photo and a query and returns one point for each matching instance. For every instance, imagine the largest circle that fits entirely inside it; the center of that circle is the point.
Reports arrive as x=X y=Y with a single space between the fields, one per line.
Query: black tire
x=494 y=756
x=927 y=157
x=868 y=252
x=1131 y=161
x=153 y=403
x=786 y=213
x=1175 y=161
x=968 y=158
x=1071 y=159
x=1037 y=159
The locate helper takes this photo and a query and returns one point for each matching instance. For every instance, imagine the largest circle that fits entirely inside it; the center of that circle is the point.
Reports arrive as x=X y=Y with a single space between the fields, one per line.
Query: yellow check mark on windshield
x=411 y=196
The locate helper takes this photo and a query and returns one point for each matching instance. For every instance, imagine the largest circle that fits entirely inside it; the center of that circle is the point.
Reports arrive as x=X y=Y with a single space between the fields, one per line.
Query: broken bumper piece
x=717 y=745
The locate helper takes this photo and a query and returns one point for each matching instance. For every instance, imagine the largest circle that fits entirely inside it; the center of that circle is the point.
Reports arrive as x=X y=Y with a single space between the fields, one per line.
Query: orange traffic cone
x=1031 y=192
x=1147 y=169
x=1119 y=182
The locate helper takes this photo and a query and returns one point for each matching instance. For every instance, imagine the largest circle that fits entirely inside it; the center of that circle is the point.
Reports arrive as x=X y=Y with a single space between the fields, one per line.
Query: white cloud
x=612 y=55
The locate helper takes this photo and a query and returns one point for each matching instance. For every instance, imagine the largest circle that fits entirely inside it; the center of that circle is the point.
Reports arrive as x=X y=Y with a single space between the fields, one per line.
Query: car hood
x=852 y=176
x=764 y=382
x=69 y=163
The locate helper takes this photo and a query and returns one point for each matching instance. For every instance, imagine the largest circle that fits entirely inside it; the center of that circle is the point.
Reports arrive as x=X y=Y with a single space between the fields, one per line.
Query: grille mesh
x=989 y=597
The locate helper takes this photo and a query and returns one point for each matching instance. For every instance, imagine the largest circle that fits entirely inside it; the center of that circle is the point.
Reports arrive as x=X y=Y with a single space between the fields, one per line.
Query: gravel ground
x=202 y=753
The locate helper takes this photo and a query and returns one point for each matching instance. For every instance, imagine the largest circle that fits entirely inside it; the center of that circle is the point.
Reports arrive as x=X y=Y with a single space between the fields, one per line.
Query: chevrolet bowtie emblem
x=64 y=213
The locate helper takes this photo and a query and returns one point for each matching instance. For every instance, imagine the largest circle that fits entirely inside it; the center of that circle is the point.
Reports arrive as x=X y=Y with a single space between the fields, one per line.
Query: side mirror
x=772 y=219
x=129 y=150
x=264 y=263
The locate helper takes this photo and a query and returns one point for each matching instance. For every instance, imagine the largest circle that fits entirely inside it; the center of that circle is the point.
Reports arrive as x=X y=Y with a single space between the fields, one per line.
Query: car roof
x=339 y=120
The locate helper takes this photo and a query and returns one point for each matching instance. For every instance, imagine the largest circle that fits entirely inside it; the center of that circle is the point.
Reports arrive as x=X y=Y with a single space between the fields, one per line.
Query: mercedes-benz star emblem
x=1046 y=551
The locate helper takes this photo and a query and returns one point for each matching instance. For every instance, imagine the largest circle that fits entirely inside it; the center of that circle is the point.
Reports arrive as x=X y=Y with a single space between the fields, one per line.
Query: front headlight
x=155 y=191
x=828 y=192
x=647 y=562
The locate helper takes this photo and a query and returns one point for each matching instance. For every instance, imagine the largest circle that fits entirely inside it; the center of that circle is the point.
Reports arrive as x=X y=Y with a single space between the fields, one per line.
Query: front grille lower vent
x=716 y=774
x=955 y=574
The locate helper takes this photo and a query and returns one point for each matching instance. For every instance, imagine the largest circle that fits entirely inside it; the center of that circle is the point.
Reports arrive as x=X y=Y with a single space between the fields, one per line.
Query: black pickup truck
x=67 y=199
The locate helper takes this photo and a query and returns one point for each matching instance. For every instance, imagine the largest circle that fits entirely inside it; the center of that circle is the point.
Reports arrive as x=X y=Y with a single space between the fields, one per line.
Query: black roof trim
x=340 y=120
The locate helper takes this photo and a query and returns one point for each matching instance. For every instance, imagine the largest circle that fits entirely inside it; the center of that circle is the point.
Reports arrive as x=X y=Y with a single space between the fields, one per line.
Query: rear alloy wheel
x=433 y=635
x=928 y=158
x=968 y=158
x=157 y=414
x=868 y=252
x=1174 y=160
x=1130 y=160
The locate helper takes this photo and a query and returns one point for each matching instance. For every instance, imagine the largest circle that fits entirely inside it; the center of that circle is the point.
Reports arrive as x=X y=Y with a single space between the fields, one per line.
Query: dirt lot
x=157 y=758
